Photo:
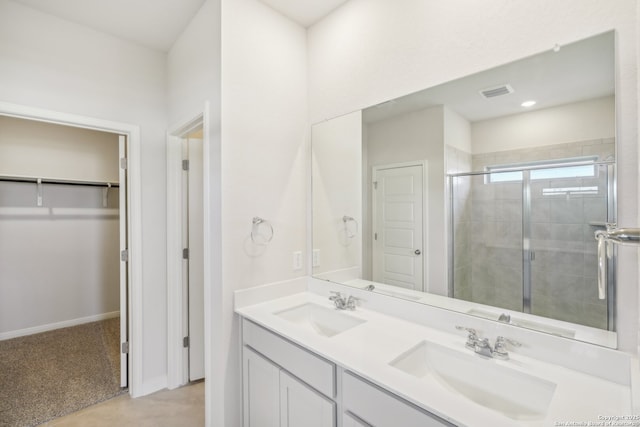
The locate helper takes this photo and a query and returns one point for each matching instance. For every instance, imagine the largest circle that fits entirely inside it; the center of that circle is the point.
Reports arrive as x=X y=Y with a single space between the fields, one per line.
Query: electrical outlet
x=316 y=258
x=297 y=260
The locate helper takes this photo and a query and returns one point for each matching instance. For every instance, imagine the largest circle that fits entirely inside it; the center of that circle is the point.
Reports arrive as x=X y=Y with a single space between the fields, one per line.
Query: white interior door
x=196 y=261
x=124 y=285
x=398 y=250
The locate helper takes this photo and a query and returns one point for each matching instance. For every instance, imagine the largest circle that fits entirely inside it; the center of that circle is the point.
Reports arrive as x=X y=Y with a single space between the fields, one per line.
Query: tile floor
x=182 y=407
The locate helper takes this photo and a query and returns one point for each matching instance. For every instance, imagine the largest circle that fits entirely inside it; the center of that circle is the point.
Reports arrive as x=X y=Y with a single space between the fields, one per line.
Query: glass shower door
x=487 y=236
x=558 y=229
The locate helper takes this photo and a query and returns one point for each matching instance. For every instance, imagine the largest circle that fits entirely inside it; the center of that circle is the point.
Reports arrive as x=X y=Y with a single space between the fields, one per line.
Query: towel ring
x=255 y=226
x=346 y=219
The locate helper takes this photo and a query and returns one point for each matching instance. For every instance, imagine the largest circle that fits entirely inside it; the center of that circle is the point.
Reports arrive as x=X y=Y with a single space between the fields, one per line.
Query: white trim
x=151 y=385
x=176 y=356
x=175 y=359
x=135 y=217
x=58 y=325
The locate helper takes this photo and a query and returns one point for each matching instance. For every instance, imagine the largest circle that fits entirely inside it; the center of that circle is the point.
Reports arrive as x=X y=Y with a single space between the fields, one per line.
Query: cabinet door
x=301 y=406
x=261 y=383
x=350 y=420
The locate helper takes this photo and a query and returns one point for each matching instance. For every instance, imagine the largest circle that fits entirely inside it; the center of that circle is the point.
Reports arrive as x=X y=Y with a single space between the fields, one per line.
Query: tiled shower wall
x=488 y=232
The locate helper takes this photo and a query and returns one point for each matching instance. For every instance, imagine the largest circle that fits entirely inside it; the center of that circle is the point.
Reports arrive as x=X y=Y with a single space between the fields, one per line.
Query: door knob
x=417 y=252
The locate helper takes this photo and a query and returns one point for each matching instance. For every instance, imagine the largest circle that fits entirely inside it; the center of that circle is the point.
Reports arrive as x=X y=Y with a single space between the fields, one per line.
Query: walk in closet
x=60 y=264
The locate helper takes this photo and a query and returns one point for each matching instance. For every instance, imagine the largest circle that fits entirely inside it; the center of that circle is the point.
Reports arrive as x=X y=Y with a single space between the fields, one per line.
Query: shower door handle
x=417 y=252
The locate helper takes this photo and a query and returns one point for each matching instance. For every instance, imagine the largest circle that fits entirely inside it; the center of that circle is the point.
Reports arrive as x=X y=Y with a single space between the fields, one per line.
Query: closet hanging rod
x=12 y=178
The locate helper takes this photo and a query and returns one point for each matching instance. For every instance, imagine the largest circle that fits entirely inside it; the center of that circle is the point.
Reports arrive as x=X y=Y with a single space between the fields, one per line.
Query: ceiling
x=304 y=12
x=152 y=23
x=158 y=23
x=577 y=72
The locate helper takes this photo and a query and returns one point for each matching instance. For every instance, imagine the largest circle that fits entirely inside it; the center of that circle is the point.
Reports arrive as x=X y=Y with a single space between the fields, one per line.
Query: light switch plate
x=297 y=260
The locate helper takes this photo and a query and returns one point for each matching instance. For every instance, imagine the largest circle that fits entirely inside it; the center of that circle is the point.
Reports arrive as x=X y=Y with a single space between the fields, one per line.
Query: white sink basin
x=321 y=320
x=513 y=393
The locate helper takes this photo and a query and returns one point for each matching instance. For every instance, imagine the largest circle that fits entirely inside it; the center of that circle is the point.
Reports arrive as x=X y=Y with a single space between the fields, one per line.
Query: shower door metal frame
x=527 y=251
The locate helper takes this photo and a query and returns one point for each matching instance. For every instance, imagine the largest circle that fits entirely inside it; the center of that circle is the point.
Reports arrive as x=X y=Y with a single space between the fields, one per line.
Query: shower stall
x=522 y=238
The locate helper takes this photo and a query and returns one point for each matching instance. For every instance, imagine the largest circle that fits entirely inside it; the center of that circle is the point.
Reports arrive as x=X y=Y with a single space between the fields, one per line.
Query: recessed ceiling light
x=528 y=103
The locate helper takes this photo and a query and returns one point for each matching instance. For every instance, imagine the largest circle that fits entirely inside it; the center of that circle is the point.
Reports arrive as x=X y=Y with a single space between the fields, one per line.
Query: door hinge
x=185 y=165
x=375 y=236
x=185 y=342
x=124 y=255
x=123 y=163
x=125 y=347
x=185 y=253
x=375 y=185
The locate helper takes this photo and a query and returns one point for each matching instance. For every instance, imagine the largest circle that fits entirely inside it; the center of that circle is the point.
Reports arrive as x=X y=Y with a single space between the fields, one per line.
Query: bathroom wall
x=59 y=263
x=260 y=167
x=369 y=51
x=337 y=192
x=193 y=78
x=579 y=121
x=50 y=63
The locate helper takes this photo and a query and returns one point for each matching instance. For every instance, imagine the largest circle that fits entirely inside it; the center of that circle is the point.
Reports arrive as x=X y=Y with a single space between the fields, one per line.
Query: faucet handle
x=500 y=348
x=336 y=295
x=472 y=338
x=351 y=302
x=502 y=341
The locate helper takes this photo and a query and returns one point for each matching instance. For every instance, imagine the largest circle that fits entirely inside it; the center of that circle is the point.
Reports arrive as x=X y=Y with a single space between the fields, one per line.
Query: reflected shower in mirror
x=481 y=195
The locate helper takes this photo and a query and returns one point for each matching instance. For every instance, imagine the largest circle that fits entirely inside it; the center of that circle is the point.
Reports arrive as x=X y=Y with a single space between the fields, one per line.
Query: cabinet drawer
x=319 y=373
x=380 y=408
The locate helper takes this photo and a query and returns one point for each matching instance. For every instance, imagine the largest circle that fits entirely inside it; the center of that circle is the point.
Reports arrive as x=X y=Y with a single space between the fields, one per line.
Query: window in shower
x=576 y=167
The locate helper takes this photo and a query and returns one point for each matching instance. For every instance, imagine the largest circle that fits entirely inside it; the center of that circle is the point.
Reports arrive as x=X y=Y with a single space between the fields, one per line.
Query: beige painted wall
x=44 y=150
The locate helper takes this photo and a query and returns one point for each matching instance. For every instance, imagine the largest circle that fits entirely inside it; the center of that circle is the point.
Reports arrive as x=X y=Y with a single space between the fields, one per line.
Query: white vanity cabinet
x=303 y=406
x=366 y=404
x=261 y=391
x=351 y=420
x=284 y=385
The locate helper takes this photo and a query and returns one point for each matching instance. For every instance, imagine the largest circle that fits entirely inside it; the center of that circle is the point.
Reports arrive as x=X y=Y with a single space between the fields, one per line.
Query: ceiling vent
x=492 y=92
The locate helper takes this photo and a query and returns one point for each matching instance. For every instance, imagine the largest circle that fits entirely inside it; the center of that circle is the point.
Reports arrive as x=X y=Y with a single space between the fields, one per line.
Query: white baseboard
x=152 y=385
x=57 y=325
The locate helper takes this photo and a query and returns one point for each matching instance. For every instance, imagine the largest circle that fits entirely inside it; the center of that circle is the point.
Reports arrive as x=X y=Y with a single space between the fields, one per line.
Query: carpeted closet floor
x=47 y=375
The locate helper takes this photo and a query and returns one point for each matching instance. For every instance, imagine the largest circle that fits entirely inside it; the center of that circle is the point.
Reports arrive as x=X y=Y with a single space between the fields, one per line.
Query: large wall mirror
x=480 y=195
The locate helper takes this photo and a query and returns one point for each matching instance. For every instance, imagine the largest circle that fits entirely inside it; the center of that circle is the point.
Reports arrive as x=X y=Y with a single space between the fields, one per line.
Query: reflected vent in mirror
x=495 y=91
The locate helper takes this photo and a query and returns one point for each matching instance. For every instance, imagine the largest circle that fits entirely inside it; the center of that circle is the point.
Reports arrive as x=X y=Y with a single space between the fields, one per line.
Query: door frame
x=134 y=214
x=176 y=357
x=425 y=212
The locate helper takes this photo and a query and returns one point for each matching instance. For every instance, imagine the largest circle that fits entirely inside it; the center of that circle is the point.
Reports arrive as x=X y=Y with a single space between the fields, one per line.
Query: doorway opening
x=186 y=252
x=65 y=271
x=133 y=214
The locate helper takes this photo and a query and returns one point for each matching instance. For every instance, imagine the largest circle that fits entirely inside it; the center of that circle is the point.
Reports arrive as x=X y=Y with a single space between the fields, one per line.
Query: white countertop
x=368 y=348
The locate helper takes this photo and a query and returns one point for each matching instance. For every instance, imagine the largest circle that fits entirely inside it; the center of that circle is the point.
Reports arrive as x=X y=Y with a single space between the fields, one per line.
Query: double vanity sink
x=495 y=386
x=434 y=370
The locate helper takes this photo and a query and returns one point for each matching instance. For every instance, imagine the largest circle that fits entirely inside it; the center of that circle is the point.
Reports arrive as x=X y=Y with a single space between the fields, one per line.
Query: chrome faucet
x=343 y=302
x=483 y=347
x=500 y=347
